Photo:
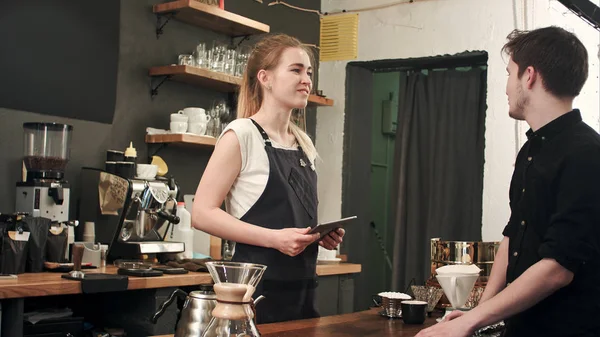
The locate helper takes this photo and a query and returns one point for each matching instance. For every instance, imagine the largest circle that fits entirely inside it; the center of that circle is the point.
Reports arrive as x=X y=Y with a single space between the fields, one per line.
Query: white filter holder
x=457 y=287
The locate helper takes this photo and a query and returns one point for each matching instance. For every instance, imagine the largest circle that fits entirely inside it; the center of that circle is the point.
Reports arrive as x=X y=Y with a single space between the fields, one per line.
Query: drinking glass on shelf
x=230 y=61
x=218 y=56
x=200 y=56
x=219 y=114
x=185 y=60
x=243 y=52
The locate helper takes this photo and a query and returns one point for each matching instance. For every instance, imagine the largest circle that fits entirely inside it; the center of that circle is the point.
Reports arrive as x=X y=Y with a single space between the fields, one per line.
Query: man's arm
x=535 y=284
x=497 y=279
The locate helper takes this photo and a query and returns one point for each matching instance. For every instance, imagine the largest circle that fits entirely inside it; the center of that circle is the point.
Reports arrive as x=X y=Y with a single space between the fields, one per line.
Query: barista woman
x=263 y=167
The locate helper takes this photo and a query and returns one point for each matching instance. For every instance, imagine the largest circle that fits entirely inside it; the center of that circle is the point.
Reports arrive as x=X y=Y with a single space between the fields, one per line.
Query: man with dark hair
x=546 y=275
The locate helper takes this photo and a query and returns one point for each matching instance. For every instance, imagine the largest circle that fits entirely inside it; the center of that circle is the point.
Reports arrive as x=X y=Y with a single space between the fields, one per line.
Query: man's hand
x=454 y=314
x=458 y=327
x=520 y=295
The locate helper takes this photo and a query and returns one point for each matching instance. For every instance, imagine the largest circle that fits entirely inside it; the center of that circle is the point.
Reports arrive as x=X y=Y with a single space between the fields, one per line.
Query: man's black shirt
x=555 y=214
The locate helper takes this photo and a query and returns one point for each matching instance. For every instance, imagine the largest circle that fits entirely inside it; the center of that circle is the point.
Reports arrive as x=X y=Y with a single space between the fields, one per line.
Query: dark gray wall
x=43 y=53
x=134 y=109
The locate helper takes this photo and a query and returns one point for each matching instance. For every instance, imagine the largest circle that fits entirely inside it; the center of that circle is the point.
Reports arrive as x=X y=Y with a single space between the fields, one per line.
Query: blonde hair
x=266 y=55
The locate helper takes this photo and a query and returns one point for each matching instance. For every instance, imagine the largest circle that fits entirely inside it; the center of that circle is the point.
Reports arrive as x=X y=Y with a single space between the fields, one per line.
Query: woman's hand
x=293 y=241
x=333 y=239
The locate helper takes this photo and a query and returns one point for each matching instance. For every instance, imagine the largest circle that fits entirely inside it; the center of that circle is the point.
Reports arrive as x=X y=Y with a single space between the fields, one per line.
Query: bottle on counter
x=130 y=153
x=182 y=232
x=130 y=157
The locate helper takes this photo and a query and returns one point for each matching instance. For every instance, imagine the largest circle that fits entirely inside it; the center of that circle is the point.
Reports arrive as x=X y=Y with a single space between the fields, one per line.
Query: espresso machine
x=132 y=216
x=44 y=192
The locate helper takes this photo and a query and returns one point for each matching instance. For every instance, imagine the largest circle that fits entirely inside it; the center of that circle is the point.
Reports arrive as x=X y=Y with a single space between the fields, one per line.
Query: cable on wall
x=365 y=9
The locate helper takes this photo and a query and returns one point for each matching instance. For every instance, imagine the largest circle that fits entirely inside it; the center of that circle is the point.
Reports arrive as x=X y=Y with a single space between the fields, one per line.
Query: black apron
x=288 y=201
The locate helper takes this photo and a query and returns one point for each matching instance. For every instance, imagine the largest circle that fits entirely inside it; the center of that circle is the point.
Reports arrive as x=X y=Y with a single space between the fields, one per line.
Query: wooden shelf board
x=338 y=269
x=216 y=80
x=199 y=76
x=183 y=138
x=315 y=100
x=211 y=17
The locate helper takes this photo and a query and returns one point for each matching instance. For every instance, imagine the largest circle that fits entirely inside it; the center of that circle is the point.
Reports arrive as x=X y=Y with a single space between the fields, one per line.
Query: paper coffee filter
x=395 y=295
x=458 y=269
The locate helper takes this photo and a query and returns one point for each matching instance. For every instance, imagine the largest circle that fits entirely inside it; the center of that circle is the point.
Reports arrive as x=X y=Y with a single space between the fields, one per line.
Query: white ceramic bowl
x=178 y=127
x=146 y=171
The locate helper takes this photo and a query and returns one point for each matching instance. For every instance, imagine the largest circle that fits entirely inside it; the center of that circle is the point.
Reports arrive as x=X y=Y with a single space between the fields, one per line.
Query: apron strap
x=265 y=137
x=262 y=133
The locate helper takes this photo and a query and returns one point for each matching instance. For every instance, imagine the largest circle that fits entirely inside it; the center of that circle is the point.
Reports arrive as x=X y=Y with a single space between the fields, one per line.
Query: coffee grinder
x=45 y=193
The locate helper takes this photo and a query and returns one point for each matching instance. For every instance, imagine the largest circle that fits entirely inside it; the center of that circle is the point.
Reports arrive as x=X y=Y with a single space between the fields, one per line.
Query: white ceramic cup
x=179 y=117
x=178 y=127
x=196 y=115
x=326 y=254
x=197 y=128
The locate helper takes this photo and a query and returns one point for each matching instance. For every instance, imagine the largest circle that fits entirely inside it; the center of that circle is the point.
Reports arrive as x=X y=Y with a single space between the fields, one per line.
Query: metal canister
x=463 y=252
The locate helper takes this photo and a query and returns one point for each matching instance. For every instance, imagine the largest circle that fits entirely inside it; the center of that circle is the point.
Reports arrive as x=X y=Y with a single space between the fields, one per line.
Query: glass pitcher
x=235 y=284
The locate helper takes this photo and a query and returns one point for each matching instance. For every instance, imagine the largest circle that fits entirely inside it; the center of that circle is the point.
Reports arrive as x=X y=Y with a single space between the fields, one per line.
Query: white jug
x=196 y=115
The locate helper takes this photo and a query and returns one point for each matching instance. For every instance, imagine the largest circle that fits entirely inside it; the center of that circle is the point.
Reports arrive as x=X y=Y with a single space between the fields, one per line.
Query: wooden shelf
x=315 y=100
x=215 y=80
x=216 y=19
x=199 y=76
x=183 y=138
x=211 y=17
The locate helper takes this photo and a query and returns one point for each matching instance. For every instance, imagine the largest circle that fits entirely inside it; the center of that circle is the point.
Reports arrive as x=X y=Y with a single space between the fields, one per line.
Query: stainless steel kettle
x=196 y=312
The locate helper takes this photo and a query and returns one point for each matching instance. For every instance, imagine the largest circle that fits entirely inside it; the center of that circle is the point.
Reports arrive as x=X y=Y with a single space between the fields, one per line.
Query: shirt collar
x=556 y=126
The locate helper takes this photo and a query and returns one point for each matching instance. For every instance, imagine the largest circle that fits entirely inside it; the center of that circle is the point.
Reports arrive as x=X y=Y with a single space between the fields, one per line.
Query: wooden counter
x=338 y=269
x=47 y=284
x=364 y=323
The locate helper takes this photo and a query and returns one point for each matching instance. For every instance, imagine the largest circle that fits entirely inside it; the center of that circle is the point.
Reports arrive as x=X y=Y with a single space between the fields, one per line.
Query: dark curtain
x=438 y=166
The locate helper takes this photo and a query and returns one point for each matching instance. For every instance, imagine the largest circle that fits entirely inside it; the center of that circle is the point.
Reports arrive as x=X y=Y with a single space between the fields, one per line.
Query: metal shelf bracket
x=154 y=89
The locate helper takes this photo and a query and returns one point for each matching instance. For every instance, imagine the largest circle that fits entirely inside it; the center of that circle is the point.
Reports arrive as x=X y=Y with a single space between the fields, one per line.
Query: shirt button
x=523 y=223
x=543 y=138
x=529 y=158
x=523 y=190
x=515 y=253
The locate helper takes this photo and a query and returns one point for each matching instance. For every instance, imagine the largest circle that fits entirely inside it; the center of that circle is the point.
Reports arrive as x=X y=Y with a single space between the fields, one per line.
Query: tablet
x=327 y=227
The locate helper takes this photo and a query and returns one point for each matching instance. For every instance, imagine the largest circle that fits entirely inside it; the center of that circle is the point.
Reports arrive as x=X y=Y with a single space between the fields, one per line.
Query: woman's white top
x=252 y=179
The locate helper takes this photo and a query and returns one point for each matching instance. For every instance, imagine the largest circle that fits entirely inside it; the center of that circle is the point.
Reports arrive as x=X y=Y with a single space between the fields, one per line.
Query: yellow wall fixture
x=339 y=37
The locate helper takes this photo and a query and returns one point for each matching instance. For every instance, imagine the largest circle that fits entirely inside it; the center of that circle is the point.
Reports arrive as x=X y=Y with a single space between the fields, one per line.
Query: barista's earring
x=269 y=87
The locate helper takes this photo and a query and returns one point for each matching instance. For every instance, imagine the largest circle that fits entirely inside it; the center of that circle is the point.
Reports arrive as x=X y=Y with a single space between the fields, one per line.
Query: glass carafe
x=235 y=283
x=46 y=149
